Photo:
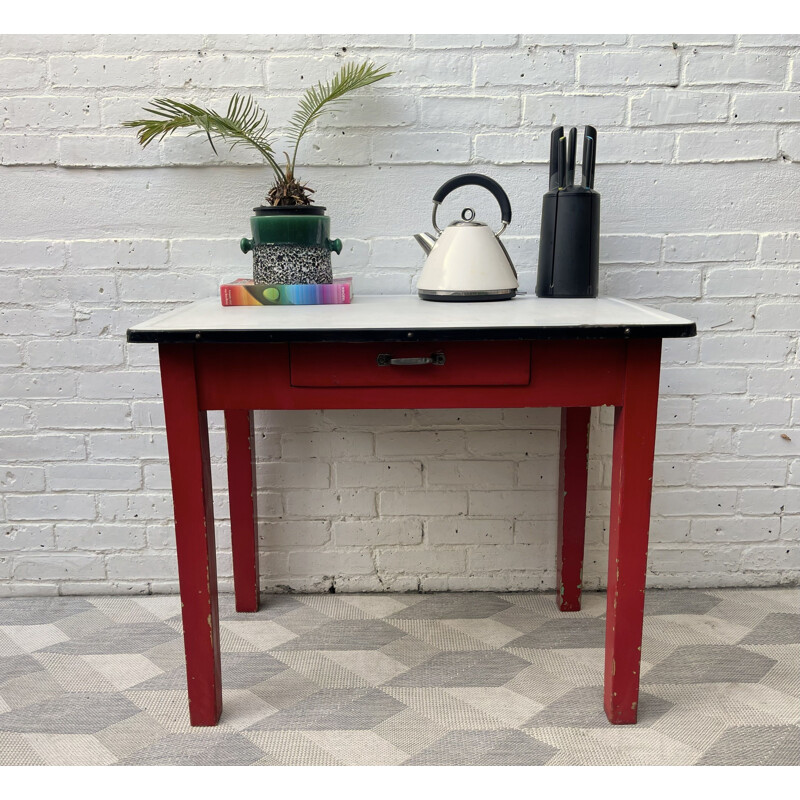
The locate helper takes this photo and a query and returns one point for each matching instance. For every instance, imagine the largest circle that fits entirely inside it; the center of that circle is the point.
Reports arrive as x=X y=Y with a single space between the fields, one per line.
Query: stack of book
x=244 y=292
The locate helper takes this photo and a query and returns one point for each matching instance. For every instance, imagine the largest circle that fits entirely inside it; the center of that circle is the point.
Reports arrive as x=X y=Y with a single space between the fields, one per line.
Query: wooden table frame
x=573 y=374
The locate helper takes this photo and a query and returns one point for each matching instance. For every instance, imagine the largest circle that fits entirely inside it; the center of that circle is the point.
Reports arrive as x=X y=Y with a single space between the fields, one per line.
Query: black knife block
x=569 y=243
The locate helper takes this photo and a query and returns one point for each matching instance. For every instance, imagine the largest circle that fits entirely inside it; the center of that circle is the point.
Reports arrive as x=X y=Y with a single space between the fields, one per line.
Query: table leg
x=187 y=441
x=572 y=479
x=631 y=487
x=244 y=517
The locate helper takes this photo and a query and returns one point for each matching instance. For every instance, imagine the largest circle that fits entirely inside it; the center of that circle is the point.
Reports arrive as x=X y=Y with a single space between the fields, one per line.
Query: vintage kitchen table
x=401 y=352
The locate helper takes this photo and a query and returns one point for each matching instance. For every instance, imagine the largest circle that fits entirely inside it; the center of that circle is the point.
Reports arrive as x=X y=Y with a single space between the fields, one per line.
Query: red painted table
x=401 y=352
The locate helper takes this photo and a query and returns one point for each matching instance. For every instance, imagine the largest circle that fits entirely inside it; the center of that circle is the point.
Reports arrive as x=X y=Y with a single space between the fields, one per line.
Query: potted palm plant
x=290 y=235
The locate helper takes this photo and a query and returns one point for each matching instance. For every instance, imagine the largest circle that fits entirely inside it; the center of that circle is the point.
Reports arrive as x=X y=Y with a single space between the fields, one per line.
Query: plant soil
x=291 y=193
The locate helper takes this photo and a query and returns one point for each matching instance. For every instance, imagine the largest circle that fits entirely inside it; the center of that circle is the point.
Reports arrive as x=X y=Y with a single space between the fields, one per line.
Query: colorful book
x=244 y=292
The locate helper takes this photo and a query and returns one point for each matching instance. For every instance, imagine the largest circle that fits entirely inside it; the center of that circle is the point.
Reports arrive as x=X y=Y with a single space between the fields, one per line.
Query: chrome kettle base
x=467 y=297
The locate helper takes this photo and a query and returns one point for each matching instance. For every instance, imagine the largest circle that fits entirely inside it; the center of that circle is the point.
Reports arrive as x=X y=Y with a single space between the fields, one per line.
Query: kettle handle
x=475 y=179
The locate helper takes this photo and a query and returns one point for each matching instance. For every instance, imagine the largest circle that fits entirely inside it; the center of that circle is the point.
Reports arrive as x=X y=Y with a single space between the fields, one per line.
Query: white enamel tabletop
x=536 y=317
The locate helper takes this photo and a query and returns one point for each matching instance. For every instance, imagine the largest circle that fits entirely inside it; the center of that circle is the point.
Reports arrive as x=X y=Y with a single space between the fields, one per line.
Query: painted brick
x=316 y=503
x=740 y=473
x=420 y=443
x=766 y=107
x=780 y=247
x=326 y=444
x=735 y=68
x=628 y=69
x=448 y=41
x=433 y=148
x=17 y=537
x=24 y=149
x=693 y=502
x=431 y=70
x=769 y=443
x=43 y=448
x=421 y=562
x=422 y=503
x=50 y=506
x=94 y=477
x=750 y=282
x=288 y=534
x=21 y=479
x=83 y=416
x=99 y=537
x=75 y=353
x=55 y=321
x=737 y=145
x=678 y=107
x=636 y=147
x=470 y=111
x=380 y=532
x=144 y=566
x=512 y=442
x=101 y=71
x=494 y=559
x=575 y=109
x=58 y=566
x=35 y=44
x=469 y=531
x=777 y=317
x=309 y=562
x=15 y=417
x=726 y=396
x=520 y=503
x=518 y=148
x=58 y=112
x=540 y=67
x=741 y=529
x=104 y=151
x=377 y=110
x=395 y=474
x=710 y=410
x=704 y=380
x=32 y=254
x=694 y=248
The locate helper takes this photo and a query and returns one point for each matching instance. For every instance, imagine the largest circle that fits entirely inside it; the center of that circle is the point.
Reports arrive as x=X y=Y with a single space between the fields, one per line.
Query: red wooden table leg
x=187 y=440
x=244 y=517
x=631 y=487
x=572 y=479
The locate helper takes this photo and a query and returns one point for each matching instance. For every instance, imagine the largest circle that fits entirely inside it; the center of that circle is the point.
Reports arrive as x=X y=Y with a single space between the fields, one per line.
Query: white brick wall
x=699 y=151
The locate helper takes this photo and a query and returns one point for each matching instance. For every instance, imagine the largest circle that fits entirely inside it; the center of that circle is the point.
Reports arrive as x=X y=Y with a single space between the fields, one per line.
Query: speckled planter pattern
x=291 y=264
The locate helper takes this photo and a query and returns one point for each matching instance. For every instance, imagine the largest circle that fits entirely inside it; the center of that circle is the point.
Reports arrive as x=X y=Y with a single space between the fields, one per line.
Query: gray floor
x=402 y=679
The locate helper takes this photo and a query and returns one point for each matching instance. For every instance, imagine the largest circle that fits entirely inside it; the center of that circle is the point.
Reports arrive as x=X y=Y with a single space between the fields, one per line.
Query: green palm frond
x=244 y=123
x=313 y=103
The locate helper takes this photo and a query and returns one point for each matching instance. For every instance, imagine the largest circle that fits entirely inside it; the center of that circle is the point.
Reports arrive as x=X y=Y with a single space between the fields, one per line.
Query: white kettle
x=467 y=261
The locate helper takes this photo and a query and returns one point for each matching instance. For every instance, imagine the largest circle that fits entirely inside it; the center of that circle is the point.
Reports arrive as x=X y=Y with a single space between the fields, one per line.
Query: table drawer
x=411 y=364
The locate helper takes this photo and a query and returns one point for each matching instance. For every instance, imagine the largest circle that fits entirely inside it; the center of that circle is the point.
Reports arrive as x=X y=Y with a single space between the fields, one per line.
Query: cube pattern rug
x=402 y=679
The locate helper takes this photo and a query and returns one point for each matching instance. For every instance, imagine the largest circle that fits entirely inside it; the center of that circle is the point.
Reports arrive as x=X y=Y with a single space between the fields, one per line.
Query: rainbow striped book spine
x=243 y=292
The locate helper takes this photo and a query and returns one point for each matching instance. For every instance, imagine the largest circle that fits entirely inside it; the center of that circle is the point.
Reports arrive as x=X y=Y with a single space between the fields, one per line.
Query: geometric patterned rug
x=390 y=679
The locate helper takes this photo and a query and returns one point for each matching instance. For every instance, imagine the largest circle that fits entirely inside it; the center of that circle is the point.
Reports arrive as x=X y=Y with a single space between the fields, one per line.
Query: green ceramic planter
x=291 y=245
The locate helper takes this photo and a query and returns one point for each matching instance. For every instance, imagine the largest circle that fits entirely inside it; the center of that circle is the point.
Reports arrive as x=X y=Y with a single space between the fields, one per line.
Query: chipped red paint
x=631 y=486
x=572 y=480
x=187 y=442
x=244 y=514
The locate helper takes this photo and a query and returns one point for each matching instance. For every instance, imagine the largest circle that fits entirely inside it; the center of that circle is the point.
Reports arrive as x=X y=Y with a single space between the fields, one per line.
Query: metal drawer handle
x=386 y=360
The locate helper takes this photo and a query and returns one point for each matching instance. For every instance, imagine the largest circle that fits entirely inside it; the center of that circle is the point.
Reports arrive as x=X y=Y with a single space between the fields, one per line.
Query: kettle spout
x=425 y=241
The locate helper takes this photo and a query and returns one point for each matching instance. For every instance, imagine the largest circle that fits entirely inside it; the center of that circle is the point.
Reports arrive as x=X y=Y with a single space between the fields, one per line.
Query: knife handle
x=572 y=147
x=562 y=162
x=556 y=134
x=588 y=162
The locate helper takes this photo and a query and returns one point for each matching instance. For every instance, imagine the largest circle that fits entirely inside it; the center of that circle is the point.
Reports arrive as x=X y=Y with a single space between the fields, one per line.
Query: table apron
x=258 y=376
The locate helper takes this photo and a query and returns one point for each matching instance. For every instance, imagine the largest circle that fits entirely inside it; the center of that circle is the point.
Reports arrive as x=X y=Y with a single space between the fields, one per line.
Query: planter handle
x=246 y=245
x=335 y=245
